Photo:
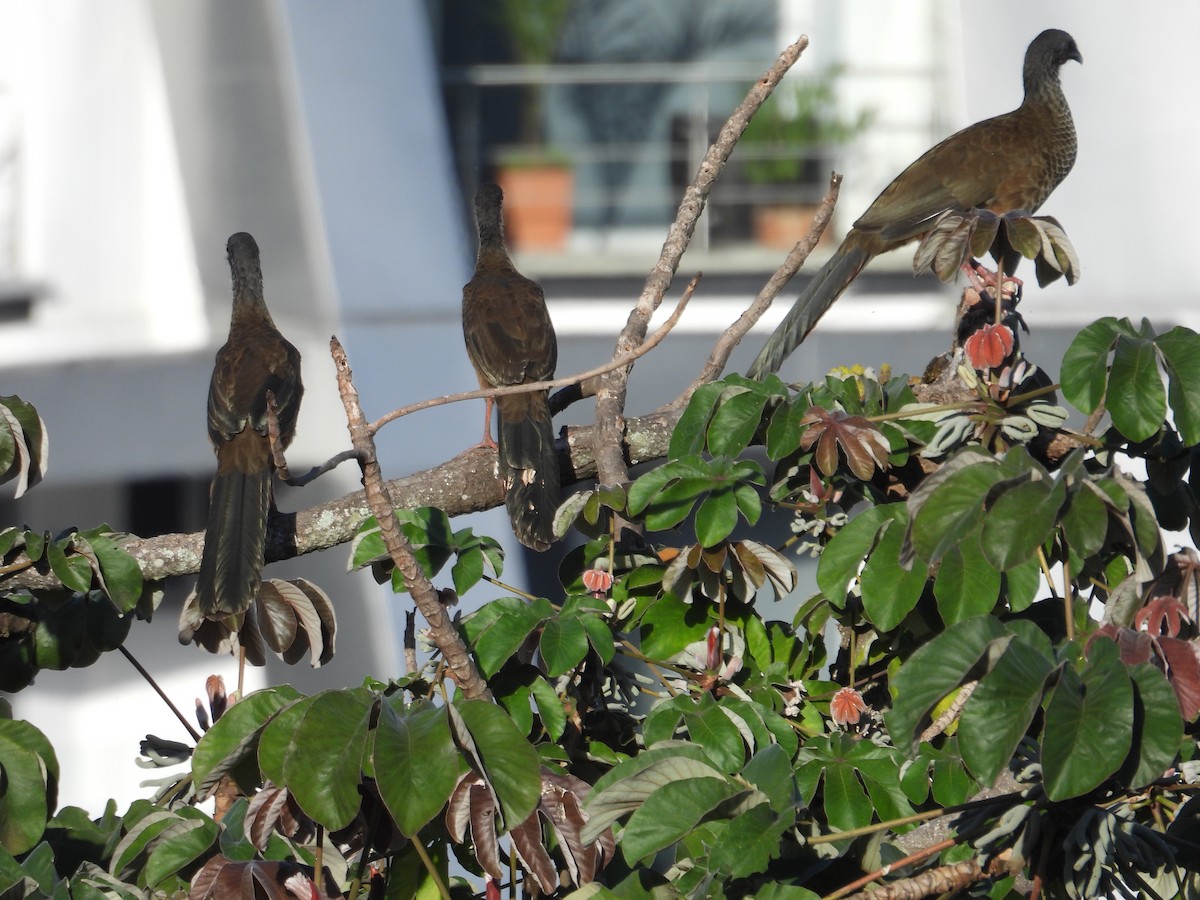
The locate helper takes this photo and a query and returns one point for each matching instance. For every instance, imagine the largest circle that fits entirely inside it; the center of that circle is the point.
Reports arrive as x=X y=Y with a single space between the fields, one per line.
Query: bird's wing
x=510 y=338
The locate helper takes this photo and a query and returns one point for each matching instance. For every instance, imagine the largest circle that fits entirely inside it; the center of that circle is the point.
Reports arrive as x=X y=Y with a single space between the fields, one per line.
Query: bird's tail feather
x=234 y=541
x=820 y=294
x=529 y=467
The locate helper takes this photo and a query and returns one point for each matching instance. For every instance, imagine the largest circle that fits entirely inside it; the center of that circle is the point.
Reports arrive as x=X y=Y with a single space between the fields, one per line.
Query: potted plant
x=537 y=180
x=789 y=147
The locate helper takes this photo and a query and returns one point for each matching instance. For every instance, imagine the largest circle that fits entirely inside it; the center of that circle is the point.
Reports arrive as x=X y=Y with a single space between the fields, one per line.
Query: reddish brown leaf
x=1183 y=671
x=862 y=442
x=273 y=810
x=527 y=842
x=1162 y=615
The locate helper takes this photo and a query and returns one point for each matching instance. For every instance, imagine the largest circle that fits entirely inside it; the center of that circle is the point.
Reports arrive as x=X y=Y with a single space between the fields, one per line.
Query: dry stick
x=651 y=342
x=941 y=880
x=161 y=693
x=424 y=594
x=775 y=284
x=610 y=398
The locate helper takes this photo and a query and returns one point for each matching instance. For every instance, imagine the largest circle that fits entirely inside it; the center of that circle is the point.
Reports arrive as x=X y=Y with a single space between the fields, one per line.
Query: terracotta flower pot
x=537 y=206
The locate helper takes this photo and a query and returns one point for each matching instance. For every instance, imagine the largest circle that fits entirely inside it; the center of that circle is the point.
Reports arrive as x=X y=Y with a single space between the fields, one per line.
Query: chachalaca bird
x=1010 y=162
x=510 y=340
x=255 y=360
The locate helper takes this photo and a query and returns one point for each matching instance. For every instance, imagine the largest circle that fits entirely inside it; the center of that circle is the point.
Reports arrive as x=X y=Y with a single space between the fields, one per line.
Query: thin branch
x=161 y=693
x=424 y=594
x=651 y=342
x=775 y=284
x=610 y=398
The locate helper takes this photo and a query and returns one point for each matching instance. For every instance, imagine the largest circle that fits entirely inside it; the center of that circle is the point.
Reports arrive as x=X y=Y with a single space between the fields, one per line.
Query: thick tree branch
x=466 y=483
x=610 y=398
x=458 y=657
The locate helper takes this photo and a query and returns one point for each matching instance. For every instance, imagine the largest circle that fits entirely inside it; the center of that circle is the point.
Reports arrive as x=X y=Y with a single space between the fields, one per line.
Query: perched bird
x=510 y=340
x=1010 y=162
x=255 y=360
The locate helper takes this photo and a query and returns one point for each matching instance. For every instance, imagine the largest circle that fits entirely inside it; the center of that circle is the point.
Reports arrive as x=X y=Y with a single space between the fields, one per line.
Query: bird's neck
x=1043 y=88
x=249 y=305
x=492 y=251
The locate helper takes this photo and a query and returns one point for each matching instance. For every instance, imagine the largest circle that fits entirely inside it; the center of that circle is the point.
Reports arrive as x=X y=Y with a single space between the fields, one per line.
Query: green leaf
x=751 y=841
x=670 y=813
x=735 y=421
x=188 y=838
x=690 y=431
x=564 y=644
x=550 y=708
x=843 y=556
x=951 y=509
x=966 y=585
x=716 y=518
x=1084 y=371
x=74 y=571
x=1157 y=729
x=29 y=788
x=998 y=714
x=770 y=770
x=232 y=740
x=889 y=593
x=316 y=751
x=1085 y=522
x=670 y=625
x=507 y=760
x=1180 y=348
x=1022 y=583
x=936 y=669
x=499 y=628
x=119 y=573
x=1020 y=521
x=1136 y=399
x=1089 y=722
x=416 y=763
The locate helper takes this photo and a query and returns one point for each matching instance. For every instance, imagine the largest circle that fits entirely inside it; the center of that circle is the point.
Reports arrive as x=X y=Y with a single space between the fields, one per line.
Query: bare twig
x=161 y=693
x=775 y=284
x=424 y=594
x=610 y=398
x=651 y=342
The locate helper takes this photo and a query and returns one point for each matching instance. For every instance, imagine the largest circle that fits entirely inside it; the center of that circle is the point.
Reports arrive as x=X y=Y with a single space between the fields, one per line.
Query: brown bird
x=510 y=340
x=255 y=359
x=1010 y=162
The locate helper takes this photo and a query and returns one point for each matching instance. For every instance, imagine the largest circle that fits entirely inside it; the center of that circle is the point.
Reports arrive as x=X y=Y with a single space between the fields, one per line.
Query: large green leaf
x=1089 y=724
x=499 y=628
x=1180 y=348
x=1136 y=399
x=842 y=558
x=690 y=431
x=670 y=625
x=564 y=644
x=966 y=585
x=735 y=420
x=315 y=749
x=1157 y=729
x=716 y=517
x=889 y=591
x=670 y=813
x=416 y=763
x=176 y=848
x=504 y=757
x=751 y=841
x=998 y=714
x=1020 y=520
x=29 y=787
x=228 y=746
x=1084 y=370
x=949 y=505
x=936 y=669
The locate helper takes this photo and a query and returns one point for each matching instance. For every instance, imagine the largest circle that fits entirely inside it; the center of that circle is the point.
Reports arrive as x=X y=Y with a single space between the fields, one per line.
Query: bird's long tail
x=820 y=294
x=529 y=466
x=236 y=535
